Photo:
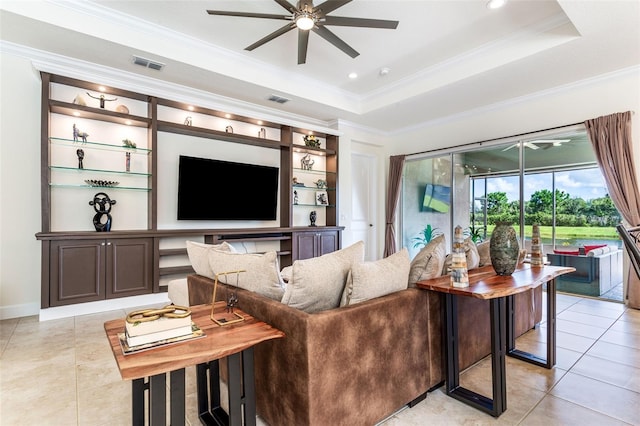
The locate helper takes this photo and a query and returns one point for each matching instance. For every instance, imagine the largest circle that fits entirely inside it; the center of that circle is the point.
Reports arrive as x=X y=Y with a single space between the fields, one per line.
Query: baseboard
x=18 y=311
x=102 y=306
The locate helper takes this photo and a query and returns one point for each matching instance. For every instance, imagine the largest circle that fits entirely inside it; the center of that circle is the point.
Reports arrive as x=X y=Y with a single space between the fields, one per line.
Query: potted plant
x=427 y=234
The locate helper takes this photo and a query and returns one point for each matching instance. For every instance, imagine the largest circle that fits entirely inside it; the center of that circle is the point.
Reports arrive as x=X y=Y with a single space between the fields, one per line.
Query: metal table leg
x=154 y=390
x=550 y=359
x=498 y=404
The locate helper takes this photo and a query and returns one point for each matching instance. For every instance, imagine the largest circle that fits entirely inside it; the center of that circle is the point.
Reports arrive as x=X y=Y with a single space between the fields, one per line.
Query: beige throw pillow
x=199 y=256
x=472 y=254
x=429 y=261
x=317 y=284
x=483 y=252
x=262 y=275
x=368 y=280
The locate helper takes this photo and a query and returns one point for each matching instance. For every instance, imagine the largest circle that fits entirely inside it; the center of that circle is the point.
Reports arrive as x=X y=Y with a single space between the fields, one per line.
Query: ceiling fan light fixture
x=305 y=21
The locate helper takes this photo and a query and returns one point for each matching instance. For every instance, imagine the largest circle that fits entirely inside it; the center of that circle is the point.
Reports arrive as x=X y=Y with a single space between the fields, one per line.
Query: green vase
x=504 y=249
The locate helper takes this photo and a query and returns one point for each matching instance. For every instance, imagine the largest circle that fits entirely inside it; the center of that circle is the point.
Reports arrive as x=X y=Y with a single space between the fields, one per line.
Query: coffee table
x=148 y=370
x=484 y=283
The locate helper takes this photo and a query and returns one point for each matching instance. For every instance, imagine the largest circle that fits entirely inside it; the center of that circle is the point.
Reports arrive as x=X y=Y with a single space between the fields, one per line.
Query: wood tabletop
x=484 y=283
x=217 y=343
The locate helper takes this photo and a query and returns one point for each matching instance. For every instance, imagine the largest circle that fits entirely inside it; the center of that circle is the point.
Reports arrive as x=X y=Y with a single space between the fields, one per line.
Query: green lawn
x=569 y=232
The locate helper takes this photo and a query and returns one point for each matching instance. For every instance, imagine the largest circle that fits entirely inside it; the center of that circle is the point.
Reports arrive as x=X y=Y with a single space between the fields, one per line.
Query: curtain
x=611 y=139
x=396 y=165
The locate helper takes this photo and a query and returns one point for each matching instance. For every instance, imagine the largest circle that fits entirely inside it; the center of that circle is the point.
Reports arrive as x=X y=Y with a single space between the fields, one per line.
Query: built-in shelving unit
x=81 y=265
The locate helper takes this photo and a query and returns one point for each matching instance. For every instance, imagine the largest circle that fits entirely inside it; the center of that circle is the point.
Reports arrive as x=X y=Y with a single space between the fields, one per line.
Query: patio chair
x=631 y=240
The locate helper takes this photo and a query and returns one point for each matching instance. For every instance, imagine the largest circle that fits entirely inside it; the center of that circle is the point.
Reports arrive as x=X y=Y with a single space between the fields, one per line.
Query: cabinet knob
x=109 y=244
x=101 y=244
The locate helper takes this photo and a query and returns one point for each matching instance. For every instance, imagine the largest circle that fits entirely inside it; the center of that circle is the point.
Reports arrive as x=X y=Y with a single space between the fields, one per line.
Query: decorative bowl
x=100 y=182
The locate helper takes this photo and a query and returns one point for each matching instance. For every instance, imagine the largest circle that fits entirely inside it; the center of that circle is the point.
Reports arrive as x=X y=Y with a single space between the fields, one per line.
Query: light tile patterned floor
x=62 y=372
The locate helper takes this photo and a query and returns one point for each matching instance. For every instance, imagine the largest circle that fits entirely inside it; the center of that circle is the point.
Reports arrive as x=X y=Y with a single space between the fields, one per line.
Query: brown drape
x=611 y=139
x=396 y=165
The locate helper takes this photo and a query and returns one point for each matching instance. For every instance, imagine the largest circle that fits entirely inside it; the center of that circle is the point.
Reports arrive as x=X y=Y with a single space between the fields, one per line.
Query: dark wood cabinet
x=89 y=270
x=309 y=244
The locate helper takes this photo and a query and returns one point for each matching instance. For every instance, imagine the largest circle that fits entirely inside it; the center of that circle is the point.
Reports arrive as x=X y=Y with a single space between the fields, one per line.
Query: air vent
x=278 y=99
x=147 y=63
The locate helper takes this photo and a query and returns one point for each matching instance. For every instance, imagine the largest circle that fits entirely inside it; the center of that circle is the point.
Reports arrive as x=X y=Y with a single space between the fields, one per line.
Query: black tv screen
x=223 y=190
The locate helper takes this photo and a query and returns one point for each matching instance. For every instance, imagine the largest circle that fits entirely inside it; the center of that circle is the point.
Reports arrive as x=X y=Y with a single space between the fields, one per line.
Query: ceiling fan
x=306 y=17
x=547 y=143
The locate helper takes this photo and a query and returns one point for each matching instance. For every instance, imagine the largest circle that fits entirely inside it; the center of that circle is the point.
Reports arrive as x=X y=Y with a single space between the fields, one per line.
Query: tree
x=542 y=201
x=497 y=203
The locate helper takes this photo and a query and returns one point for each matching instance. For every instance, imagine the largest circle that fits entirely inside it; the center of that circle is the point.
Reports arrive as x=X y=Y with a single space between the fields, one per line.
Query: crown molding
x=83 y=70
x=635 y=69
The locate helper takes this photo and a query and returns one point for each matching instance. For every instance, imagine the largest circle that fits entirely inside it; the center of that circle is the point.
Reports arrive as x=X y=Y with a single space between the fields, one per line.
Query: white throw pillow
x=317 y=284
x=429 y=262
x=261 y=271
x=374 y=279
x=199 y=256
x=472 y=254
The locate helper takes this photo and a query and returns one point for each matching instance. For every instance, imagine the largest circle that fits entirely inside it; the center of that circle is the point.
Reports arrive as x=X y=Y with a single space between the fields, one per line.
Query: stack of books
x=156 y=331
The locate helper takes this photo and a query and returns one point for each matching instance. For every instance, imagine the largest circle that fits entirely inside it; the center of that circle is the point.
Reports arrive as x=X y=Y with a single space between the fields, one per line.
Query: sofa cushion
x=262 y=274
x=588 y=248
x=317 y=284
x=484 y=253
x=368 y=280
x=429 y=261
x=199 y=256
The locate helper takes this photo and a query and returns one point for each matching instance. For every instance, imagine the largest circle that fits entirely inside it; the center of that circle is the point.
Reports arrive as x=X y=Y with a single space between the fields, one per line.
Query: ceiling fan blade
x=248 y=15
x=329 y=6
x=303 y=43
x=271 y=36
x=335 y=40
x=284 y=3
x=360 y=22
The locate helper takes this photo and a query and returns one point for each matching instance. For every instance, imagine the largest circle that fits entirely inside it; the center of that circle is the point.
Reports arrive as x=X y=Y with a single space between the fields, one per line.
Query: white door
x=363 y=202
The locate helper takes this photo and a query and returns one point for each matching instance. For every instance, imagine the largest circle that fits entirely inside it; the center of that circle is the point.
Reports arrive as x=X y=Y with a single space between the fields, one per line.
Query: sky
x=586 y=184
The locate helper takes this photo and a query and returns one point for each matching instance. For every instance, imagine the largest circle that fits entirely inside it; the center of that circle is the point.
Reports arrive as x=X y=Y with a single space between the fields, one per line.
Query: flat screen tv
x=436 y=198
x=223 y=190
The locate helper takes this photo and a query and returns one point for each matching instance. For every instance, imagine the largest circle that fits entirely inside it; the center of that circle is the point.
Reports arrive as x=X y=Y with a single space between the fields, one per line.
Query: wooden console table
x=484 y=283
x=147 y=370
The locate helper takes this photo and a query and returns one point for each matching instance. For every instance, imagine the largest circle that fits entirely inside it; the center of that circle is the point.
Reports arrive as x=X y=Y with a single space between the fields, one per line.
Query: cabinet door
x=304 y=245
x=77 y=272
x=327 y=242
x=128 y=267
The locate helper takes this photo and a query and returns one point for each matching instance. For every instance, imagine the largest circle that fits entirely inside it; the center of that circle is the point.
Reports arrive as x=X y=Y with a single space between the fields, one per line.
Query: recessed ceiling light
x=353 y=75
x=384 y=71
x=128 y=122
x=76 y=113
x=101 y=88
x=496 y=4
x=259 y=122
x=227 y=115
x=190 y=108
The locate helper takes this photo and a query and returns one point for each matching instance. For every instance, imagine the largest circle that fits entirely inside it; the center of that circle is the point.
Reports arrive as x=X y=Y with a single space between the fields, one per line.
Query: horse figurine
x=78 y=134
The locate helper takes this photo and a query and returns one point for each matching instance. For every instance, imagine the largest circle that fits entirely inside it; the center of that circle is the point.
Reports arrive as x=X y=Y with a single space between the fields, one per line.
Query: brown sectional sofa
x=356 y=365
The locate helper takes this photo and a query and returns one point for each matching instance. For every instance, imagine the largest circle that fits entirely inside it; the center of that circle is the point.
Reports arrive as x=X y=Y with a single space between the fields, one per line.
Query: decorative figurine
x=127 y=161
x=122 y=109
x=102 y=99
x=102 y=205
x=228 y=129
x=306 y=163
x=536 y=246
x=79 y=100
x=188 y=121
x=312 y=218
x=296 y=183
x=311 y=141
x=321 y=184
x=127 y=143
x=80 y=154
x=78 y=134
x=295 y=197
x=321 y=198
x=459 y=272
x=262 y=133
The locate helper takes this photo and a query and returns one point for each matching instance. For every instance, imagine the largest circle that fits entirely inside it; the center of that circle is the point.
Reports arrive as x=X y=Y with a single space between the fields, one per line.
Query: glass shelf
x=99 y=145
x=119 y=172
x=98 y=188
x=313 y=205
x=315 y=172
x=311 y=188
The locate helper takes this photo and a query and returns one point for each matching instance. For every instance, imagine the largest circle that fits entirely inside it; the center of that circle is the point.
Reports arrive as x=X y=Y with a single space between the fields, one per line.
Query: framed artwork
x=322 y=198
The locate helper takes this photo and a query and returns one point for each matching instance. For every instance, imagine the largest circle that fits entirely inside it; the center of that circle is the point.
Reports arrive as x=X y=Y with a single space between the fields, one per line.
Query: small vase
x=536 y=246
x=504 y=249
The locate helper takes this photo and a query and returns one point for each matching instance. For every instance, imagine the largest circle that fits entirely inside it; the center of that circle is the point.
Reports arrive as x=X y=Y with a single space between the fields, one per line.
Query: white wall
x=19 y=187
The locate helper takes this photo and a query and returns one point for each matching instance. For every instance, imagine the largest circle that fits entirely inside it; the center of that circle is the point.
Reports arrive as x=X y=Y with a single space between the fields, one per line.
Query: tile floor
x=62 y=372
